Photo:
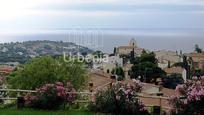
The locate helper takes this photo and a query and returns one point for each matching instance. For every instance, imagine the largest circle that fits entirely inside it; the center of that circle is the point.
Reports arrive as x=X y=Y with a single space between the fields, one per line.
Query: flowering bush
x=1 y=81
x=190 y=98
x=51 y=96
x=119 y=99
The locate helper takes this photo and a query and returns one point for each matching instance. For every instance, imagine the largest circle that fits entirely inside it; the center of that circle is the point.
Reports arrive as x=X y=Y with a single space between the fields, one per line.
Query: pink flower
x=93 y=98
x=60 y=88
x=118 y=97
x=136 y=81
x=194 y=78
x=53 y=90
x=201 y=92
x=1 y=78
x=185 y=101
x=180 y=90
x=59 y=84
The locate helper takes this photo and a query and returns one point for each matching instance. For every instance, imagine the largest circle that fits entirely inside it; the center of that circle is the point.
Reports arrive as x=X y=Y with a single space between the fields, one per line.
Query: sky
x=143 y=16
x=60 y=14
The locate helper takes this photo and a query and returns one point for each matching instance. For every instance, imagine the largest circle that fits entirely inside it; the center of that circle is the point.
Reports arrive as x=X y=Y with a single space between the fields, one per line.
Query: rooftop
x=6 y=69
x=174 y=70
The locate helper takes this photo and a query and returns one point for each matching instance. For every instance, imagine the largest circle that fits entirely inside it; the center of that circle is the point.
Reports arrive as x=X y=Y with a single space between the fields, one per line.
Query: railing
x=79 y=93
x=88 y=96
x=102 y=86
x=19 y=91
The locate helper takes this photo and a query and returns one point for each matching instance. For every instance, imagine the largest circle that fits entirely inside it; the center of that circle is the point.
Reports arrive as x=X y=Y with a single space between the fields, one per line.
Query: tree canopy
x=172 y=80
x=198 y=49
x=148 y=57
x=119 y=72
x=146 y=67
x=45 y=70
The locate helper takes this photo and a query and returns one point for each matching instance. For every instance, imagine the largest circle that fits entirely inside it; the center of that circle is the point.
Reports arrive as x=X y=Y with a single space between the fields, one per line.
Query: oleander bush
x=189 y=99
x=51 y=96
x=2 y=79
x=1 y=84
x=119 y=99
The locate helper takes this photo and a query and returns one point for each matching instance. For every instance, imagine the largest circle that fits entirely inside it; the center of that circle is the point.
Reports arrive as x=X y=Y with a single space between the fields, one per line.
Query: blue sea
x=107 y=39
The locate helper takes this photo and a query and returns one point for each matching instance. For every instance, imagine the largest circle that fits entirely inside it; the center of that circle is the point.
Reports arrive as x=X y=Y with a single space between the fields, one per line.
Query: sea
x=174 y=39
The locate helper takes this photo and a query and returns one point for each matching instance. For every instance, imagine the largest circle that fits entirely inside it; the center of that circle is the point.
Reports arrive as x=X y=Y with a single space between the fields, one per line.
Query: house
x=178 y=70
x=126 y=50
x=196 y=60
x=5 y=70
x=14 y=64
x=165 y=58
x=111 y=63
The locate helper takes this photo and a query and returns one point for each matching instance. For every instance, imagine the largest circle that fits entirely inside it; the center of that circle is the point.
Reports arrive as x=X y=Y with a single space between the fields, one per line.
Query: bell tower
x=133 y=42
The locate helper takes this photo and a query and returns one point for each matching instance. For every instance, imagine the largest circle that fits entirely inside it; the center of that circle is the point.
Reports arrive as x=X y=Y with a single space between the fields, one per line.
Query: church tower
x=133 y=42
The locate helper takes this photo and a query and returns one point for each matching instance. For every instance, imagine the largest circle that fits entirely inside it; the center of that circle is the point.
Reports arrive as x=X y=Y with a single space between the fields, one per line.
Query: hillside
x=22 y=51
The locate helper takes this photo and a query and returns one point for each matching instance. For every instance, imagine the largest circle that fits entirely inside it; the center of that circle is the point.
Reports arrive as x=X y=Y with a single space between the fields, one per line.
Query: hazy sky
x=52 y=14
x=181 y=19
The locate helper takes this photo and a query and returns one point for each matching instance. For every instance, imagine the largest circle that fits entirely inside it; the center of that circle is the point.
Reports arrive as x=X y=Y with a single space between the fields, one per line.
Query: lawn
x=39 y=112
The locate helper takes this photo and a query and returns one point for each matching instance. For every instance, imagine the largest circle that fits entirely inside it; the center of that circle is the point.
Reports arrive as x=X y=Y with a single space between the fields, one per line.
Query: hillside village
x=169 y=61
x=20 y=52
x=159 y=72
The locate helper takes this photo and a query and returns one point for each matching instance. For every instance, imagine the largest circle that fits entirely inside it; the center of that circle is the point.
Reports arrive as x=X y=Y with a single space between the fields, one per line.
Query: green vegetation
x=189 y=98
x=119 y=100
x=148 y=57
x=197 y=72
x=114 y=50
x=40 y=112
x=51 y=97
x=146 y=66
x=119 y=72
x=198 y=49
x=98 y=53
x=45 y=70
x=172 y=80
x=23 y=51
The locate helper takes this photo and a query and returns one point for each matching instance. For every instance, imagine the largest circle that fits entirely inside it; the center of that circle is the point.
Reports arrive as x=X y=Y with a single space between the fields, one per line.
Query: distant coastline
x=151 y=39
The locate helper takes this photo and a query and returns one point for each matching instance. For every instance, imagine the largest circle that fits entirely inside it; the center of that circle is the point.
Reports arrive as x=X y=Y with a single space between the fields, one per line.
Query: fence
x=19 y=91
x=4 y=94
x=85 y=97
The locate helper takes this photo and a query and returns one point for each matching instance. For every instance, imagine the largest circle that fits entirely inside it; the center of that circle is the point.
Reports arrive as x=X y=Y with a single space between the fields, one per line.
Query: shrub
x=172 y=80
x=1 y=81
x=51 y=96
x=103 y=101
x=189 y=99
x=119 y=72
x=119 y=99
x=48 y=70
x=9 y=105
x=1 y=84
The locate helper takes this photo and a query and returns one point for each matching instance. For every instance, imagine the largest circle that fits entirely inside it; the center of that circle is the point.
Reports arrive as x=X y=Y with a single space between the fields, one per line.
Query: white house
x=164 y=57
